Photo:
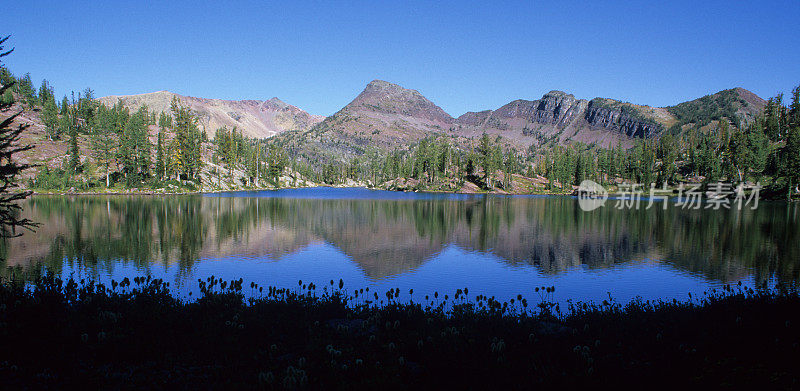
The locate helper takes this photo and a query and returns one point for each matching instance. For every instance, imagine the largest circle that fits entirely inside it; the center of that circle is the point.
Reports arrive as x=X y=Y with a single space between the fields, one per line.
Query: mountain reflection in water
x=391 y=234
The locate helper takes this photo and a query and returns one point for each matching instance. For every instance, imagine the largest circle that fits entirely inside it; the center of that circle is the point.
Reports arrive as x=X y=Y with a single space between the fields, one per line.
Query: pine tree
x=74 y=153
x=772 y=122
x=10 y=195
x=142 y=143
x=27 y=90
x=46 y=94
x=277 y=163
x=127 y=152
x=794 y=109
x=791 y=160
x=50 y=119
x=103 y=142
x=485 y=156
x=160 y=154
x=64 y=105
x=186 y=137
x=164 y=124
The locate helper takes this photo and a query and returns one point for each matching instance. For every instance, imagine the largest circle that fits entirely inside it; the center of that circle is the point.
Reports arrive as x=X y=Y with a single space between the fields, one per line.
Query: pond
x=498 y=246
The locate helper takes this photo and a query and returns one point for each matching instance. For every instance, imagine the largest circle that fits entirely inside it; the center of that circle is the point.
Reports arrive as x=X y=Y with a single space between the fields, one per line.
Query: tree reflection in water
x=387 y=237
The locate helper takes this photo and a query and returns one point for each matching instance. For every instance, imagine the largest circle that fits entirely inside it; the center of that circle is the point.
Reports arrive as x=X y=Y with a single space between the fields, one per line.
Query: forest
x=145 y=149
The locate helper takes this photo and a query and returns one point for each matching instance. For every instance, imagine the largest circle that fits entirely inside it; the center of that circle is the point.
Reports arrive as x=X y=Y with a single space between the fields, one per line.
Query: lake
x=498 y=246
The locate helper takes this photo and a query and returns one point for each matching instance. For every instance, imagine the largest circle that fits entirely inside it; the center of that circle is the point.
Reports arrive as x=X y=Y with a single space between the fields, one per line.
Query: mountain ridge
x=388 y=116
x=255 y=118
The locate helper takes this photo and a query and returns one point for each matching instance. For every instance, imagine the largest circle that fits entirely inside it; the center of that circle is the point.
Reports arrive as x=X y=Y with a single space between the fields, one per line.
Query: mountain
x=254 y=118
x=738 y=105
x=382 y=117
x=385 y=116
x=560 y=117
x=394 y=101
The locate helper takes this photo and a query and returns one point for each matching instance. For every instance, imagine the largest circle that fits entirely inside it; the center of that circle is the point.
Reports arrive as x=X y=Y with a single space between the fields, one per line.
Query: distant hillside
x=386 y=116
x=253 y=117
x=737 y=105
x=560 y=117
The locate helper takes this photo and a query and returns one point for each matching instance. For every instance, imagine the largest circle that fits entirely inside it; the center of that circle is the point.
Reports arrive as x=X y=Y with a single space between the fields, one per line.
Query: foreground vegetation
x=135 y=334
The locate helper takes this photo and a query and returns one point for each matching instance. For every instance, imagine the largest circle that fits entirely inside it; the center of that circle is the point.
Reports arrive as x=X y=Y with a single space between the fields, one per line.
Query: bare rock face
x=624 y=123
x=560 y=115
x=388 y=98
x=555 y=108
x=253 y=117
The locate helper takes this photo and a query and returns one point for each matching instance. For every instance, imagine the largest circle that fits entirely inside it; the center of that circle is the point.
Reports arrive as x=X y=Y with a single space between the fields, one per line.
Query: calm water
x=495 y=245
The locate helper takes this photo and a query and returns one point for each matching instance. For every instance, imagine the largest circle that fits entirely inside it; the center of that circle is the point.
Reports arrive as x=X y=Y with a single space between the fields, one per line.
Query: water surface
x=495 y=245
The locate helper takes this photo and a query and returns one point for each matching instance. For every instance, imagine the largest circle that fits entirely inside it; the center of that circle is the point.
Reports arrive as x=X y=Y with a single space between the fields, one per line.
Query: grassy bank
x=136 y=335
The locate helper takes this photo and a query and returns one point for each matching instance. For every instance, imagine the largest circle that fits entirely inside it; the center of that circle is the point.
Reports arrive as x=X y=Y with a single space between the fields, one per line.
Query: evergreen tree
x=46 y=94
x=142 y=143
x=160 y=154
x=26 y=89
x=277 y=163
x=64 y=105
x=74 y=153
x=794 y=109
x=791 y=160
x=10 y=195
x=485 y=156
x=187 y=141
x=757 y=151
x=103 y=142
x=87 y=105
x=772 y=121
x=50 y=120
x=164 y=123
x=667 y=153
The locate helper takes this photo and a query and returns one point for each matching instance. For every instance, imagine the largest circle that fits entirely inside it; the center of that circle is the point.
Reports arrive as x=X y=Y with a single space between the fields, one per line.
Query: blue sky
x=464 y=56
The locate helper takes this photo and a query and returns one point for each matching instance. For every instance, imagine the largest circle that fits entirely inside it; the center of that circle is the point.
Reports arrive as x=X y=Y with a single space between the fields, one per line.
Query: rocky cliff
x=561 y=116
x=621 y=119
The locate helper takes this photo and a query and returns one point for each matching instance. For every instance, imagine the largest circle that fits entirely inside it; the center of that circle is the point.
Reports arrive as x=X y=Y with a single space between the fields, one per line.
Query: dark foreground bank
x=136 y=335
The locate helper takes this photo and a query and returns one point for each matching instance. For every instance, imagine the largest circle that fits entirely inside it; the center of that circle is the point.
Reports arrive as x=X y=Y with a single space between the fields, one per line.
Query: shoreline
x=611 y=195
x=201 y=192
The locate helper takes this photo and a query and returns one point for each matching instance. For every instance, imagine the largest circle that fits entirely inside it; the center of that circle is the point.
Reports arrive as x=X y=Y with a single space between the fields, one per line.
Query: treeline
x=121 y=146
x=126 y=151
x=436 y=162
x=767 y=150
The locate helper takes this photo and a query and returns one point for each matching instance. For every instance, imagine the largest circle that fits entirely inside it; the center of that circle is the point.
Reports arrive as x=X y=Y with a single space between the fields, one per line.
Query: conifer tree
x=64 y=105
x=27 y=90
x=187 y=141
x=10 y=194
x=103 y=141
x=74 y=153
x=50 y=119
x=791 y=160
x=485 y=156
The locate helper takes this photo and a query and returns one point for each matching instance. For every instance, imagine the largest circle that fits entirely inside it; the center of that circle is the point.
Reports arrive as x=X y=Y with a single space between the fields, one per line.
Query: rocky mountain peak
x=389 y=98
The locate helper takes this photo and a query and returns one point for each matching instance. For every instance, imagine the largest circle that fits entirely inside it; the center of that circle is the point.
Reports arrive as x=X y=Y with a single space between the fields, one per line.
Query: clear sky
x=464 y=56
